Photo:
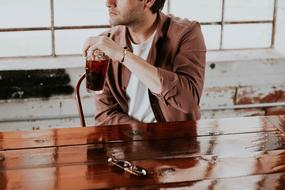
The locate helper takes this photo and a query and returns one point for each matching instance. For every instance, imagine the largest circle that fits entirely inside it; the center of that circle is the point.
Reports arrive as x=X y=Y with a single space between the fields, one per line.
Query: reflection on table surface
x=235 y=153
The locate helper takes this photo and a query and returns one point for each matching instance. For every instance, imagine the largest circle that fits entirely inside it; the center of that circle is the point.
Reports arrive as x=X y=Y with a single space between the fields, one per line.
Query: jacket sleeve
x=108 y=111
x=182 y=87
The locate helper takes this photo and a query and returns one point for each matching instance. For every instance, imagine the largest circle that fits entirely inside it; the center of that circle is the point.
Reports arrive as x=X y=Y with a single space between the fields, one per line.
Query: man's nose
x=111 y=3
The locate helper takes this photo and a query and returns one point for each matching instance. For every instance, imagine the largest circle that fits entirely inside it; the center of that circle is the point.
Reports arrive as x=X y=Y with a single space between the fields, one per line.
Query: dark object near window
x=34 y=83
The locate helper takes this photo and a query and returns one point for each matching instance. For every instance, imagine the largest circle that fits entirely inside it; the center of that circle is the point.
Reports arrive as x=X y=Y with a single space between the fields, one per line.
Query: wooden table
x=237 y=153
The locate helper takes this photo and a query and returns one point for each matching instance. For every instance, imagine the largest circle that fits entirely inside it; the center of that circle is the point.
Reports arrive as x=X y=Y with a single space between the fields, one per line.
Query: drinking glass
x=96 y=68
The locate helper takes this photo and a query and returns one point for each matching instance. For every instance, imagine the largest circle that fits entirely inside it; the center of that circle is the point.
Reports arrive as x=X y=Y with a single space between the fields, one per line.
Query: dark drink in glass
x=96 y=68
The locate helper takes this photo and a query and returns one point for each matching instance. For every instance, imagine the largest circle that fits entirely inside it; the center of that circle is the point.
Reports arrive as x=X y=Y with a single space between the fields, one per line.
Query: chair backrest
x=78 y=100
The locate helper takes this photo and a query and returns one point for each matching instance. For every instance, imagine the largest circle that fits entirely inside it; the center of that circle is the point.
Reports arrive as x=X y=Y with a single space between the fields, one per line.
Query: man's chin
x=113 y=22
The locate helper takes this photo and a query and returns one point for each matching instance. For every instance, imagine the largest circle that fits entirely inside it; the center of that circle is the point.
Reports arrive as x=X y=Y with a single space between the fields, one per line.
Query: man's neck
x=143 y=30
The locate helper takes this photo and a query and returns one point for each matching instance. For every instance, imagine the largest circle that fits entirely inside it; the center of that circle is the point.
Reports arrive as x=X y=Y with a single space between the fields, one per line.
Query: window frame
x=221 y=23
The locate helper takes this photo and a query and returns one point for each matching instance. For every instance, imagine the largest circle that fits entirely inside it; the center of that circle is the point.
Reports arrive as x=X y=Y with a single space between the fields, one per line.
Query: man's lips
x=113 y=13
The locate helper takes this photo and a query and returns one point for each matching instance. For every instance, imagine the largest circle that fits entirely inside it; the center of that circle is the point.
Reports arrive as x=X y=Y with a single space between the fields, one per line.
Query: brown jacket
x=178 y=51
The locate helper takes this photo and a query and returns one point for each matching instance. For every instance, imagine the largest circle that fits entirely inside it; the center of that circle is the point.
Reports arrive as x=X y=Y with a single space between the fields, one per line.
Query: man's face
x=125 y=12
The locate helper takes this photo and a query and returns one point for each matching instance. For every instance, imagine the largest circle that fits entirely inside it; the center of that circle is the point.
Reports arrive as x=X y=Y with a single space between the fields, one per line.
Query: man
x=157 y=68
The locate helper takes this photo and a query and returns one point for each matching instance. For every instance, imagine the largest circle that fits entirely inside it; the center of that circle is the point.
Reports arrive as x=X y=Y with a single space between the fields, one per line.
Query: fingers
x=103 y=43
x=85 y=49
x=86 y=46
x=91 y=41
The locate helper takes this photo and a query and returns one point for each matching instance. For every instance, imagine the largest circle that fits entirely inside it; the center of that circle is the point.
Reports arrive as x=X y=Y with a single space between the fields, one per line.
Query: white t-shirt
x=139 y=104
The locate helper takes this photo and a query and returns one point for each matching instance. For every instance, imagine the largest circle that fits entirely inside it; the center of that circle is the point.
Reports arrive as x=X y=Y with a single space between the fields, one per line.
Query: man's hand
x=146 y=72
x=106 y=45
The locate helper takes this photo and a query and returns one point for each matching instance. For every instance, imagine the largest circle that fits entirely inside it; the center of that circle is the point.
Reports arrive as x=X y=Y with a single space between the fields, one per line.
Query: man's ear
x=149 y=3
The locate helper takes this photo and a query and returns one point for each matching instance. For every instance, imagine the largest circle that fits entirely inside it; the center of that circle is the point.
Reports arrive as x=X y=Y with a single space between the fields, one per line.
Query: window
x=59 y=27
x=231 y=24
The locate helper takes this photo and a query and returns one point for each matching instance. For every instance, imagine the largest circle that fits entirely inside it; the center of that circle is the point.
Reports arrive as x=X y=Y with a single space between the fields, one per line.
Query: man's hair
x=157 y=6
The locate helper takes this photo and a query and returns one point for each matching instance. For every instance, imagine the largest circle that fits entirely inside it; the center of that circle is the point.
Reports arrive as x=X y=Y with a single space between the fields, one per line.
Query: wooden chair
x=78 y=100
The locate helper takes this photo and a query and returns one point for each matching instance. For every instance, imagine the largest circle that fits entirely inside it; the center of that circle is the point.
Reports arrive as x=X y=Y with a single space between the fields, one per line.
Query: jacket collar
x=163 y=23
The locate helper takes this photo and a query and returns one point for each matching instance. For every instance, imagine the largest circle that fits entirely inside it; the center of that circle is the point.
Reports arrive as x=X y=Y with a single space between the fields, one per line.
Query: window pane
x=165 y=8
x=201 y=10
x=87 y=12
x=25 y=43
x=247 y=36
x=71 y=41
x=237 y=10
x=280 y=28
x=27 y=13
x=212 y=35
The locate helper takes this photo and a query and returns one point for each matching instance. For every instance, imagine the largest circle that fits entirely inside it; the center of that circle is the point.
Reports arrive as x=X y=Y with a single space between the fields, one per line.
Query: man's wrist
x=124 y=55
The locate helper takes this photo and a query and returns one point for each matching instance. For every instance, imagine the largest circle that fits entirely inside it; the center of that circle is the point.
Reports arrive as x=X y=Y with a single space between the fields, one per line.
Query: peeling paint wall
x=261 y=94
x=244 y=88
x=232 y=89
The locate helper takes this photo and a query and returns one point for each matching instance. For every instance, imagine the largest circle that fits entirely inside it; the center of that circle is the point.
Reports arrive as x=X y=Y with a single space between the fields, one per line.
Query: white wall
x=280 y=28
x=252 y=74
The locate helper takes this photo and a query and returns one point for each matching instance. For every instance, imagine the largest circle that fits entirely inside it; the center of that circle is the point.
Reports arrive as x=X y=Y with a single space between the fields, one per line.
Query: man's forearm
x=146 y=73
